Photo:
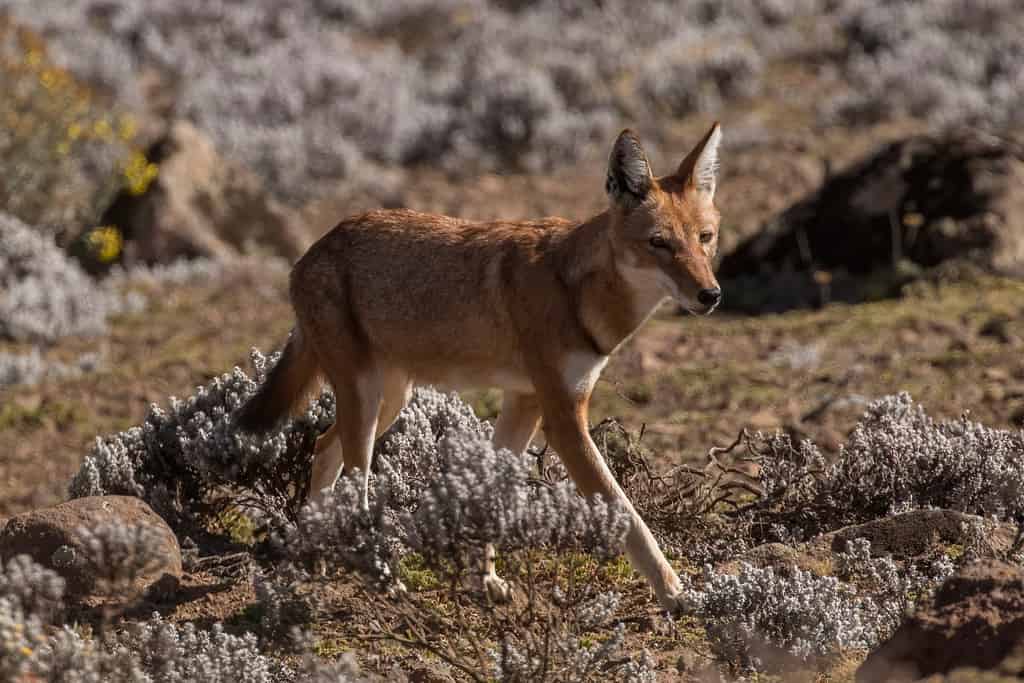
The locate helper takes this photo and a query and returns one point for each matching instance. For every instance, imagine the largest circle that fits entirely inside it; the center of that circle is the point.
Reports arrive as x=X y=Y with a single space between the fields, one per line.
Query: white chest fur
x=580 y=371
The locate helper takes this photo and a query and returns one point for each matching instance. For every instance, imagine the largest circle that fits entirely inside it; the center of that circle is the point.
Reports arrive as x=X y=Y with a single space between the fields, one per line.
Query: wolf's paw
x=497 y=589
x=674 y=602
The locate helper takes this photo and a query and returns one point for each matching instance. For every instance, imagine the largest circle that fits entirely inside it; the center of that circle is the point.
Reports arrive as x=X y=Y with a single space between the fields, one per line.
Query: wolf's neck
x=608 y=303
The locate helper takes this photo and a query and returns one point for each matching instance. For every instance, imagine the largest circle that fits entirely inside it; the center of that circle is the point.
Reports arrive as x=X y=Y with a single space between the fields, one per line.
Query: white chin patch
x=649 y=285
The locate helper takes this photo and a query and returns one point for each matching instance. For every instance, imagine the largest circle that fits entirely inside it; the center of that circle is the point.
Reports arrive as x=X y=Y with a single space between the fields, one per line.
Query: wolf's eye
x=659 y=242
x=706 y=236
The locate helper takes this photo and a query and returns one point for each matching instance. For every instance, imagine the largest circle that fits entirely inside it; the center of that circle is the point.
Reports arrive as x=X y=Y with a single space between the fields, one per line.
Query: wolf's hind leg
x=358 y=393
x=396 y=390
x=395 y=394
x=517 y=423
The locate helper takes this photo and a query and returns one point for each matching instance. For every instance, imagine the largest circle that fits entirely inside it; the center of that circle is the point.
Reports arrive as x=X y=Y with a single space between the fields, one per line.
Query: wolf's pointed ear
x=629 y=172
x=700 y=167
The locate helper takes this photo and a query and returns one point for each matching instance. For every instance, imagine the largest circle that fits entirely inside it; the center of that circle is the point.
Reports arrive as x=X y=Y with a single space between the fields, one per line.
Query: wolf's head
x=665 y=230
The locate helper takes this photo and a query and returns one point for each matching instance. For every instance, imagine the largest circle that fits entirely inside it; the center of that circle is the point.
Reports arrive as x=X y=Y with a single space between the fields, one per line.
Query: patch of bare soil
x=695 y=382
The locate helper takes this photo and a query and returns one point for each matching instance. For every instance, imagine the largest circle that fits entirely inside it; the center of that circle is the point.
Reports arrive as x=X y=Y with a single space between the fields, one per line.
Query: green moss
x=31 y=416
x=334 y=647
x=238 y=526
x=618 y=572
x=416 y=575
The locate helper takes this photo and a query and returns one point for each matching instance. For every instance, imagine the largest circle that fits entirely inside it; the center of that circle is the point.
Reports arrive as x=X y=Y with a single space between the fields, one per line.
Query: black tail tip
x=252 y=419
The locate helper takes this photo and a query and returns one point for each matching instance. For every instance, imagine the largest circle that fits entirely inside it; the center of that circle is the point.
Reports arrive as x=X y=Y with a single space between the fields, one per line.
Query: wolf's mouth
x=695 y=309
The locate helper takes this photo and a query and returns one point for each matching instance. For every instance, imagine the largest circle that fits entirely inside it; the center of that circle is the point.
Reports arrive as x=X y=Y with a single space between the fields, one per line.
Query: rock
x=781 y=558
x=911 y=534
x=51 y=537
x=975 y=620
x=200 y=204
x=913 y=204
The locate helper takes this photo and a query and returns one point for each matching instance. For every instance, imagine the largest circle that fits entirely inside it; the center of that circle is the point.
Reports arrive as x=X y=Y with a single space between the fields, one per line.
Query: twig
x=715 y=451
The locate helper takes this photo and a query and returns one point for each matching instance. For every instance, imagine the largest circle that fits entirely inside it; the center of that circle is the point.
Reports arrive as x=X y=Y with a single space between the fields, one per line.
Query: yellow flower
x=26 y=650
x=74 y=131
x=102 y=129
x=127 y=128
x=106 y=243
x=48 y=79
x=139 y=172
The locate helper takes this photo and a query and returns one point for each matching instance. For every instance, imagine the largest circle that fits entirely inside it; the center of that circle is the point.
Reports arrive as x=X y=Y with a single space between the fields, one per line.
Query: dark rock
x=975 y=621
x=52 y=538
x=912 y=205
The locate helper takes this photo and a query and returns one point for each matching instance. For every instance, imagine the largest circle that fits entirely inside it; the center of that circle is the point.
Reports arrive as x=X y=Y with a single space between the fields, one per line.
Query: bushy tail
x=286 y=384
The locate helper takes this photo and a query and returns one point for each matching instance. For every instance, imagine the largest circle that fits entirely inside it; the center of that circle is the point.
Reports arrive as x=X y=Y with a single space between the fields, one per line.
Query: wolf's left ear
x=629 y=173
x=700 y=167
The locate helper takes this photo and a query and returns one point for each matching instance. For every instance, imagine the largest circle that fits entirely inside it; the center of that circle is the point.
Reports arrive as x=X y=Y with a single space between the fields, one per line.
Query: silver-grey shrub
x=183 y=455
x=30 y=596
x=682 y=82
x=572 y=654
x=157 y=651
x=27 y=368
x=44 y=295
x=801 y=613
x=32 y=367
x=476 y=496
x=33 y=588
x=440 y=488
x=897 y=458
x=947 y=61
x=309 y=91
x=336 y=533
x=486 y=496
x=149 y=651
x=808 y=615
x=21 y=635
x=122 y=553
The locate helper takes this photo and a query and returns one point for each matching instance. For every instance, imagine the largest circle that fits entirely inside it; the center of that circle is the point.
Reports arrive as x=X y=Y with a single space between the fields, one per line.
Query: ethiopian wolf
x=389 y=299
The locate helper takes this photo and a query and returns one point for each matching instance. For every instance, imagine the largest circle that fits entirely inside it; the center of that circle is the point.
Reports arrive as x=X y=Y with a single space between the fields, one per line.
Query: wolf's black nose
x=709 y=297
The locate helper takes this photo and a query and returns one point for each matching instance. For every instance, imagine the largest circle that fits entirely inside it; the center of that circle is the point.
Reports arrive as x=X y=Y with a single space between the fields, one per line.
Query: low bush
x=439 y=489
x=897 y=458
x=46 y=294
x=35 y=646
x=758 y=609
x=403 y=83
x=945 y=61
x=64 y=153
x=182 y=456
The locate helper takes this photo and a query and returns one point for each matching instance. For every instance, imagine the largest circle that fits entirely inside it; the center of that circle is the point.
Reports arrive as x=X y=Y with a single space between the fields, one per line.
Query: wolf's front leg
x=565 y=424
